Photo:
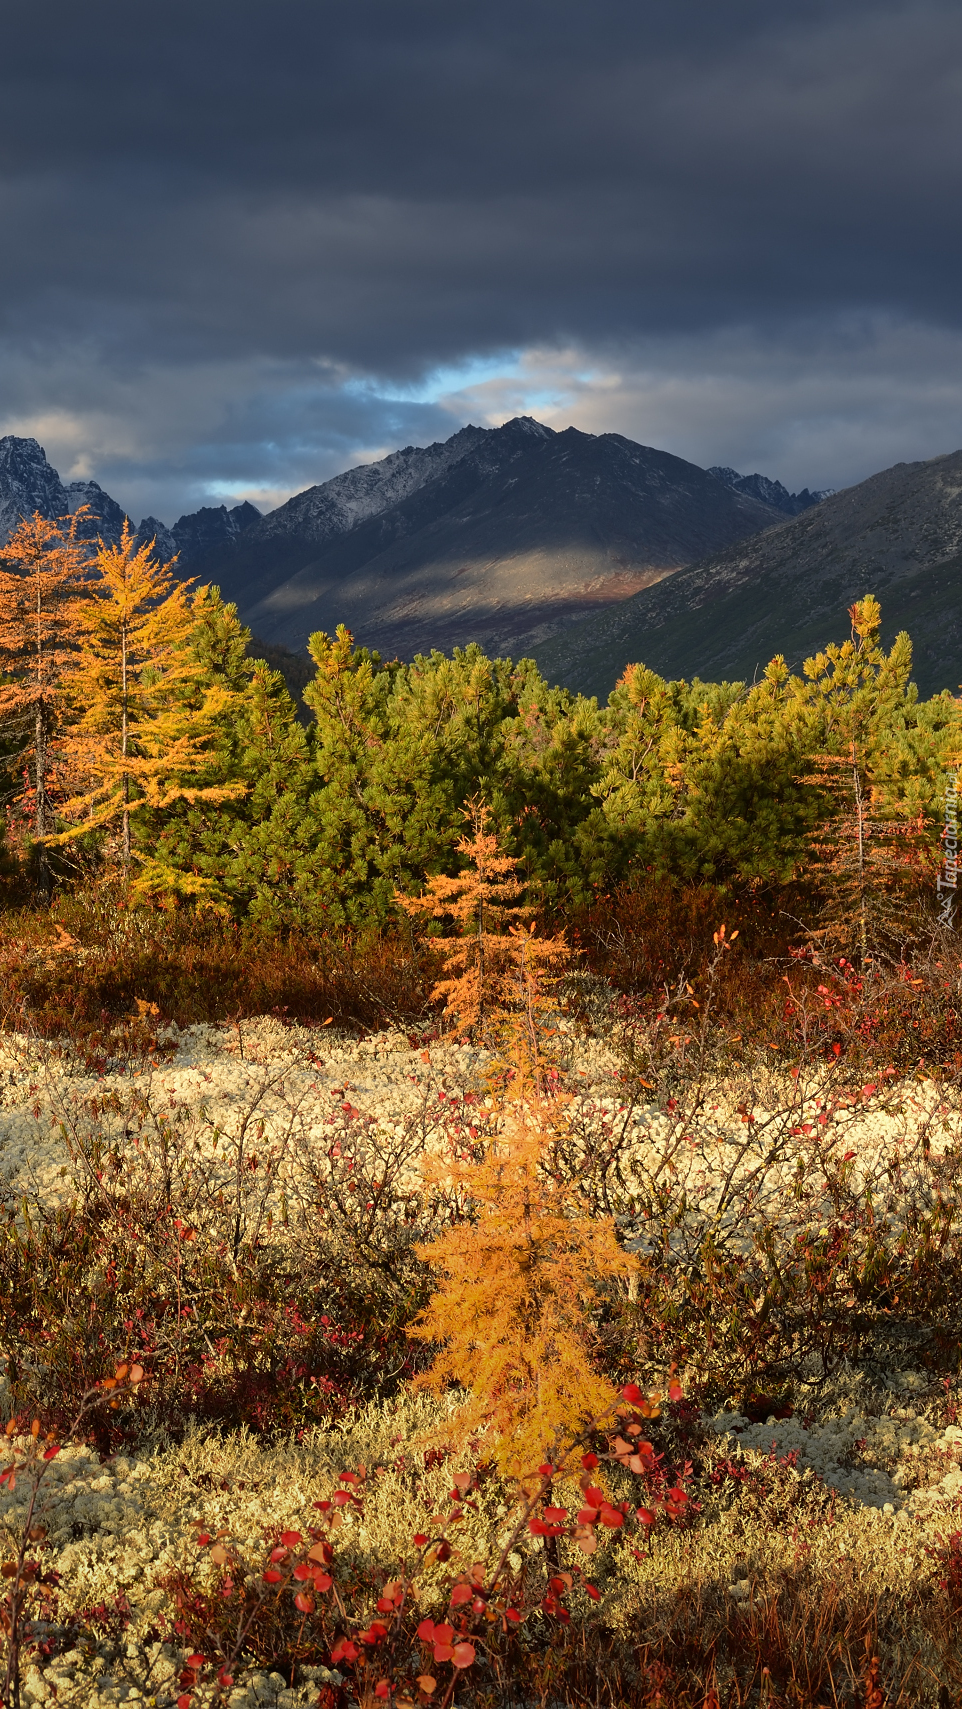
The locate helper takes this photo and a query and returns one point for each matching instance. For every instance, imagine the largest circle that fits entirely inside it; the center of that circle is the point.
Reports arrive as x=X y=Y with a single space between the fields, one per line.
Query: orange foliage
x=519 y=1282
x=493 y=962
x=512 y=1316
x=143 y=723
x=480 y=901
x=41 y=573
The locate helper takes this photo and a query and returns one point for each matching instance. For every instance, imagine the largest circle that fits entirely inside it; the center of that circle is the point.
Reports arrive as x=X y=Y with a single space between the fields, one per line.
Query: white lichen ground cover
x=114 y=1529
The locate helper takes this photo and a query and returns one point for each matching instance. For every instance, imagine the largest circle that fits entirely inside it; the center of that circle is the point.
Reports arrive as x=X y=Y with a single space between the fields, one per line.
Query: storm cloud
x=247 y=245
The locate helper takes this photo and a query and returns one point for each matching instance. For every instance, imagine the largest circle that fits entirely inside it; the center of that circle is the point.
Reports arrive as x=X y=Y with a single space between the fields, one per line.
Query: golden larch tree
x=480 y=901
x=42 y=568
x=521 y=1278
x=518 y=1286
x=144 y=719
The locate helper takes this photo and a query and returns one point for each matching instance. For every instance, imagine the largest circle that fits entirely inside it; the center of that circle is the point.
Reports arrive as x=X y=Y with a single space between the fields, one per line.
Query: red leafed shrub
x=948 y=1558
x=259 y=1349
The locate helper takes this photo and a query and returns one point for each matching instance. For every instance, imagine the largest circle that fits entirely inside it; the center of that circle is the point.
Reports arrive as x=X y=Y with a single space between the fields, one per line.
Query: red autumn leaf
x=375 y=1632
x=463 y=1655
x=203 y=1540
x=51 y=1453
x=593 y=1591
x=183 y=1701
x=632 y=1393
x=443 y=1652
x=196 y=1661
x=461 y=1593
x=322 y=1582
x=674 y=1391
x=420 y=1539
x=646 y=1516
x=595 y=1496
x=554 y=1513
x=427 y=1682
x=345 y=1650
x=546 y=1470
x=304 y=1602
x=426 y=1630
x=443 y=1632
x=382 y=1688
x=611 y=1517
x=291 y=1538
x=272 y=1576
x=589 y=1461
x=303 y=1571
x=278 y=1555
x=588 y=1515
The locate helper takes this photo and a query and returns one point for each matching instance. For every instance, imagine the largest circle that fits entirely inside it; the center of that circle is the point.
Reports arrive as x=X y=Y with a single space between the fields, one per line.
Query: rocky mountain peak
x=768 y=491
x=104 y=518
x=27 y=483
x=210 y=527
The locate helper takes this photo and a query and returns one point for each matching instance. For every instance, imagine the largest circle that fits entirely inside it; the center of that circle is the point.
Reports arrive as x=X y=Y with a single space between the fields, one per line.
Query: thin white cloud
x=813 y=406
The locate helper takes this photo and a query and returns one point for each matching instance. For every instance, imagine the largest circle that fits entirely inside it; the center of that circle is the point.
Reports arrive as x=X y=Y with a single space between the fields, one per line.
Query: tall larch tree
x=42 y=568
x=879 y=767
x=140 y=737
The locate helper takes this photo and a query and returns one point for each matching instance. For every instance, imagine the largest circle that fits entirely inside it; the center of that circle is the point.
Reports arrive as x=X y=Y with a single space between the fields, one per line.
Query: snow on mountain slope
x=337 y=505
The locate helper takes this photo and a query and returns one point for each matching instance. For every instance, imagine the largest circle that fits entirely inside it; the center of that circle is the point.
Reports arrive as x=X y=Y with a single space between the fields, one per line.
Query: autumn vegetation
x=730 y=888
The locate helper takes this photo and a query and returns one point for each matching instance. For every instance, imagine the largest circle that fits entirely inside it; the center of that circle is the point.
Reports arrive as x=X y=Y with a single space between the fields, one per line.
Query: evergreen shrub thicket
x=166 y=754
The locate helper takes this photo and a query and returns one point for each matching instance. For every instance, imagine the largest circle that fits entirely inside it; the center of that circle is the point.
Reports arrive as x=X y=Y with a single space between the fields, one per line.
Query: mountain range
x=498 y=535
x=28 y=483
x=897 y=535
x=589 y=551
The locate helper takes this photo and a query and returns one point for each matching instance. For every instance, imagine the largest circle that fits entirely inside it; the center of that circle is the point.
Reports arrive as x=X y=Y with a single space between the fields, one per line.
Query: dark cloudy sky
x=246 y=245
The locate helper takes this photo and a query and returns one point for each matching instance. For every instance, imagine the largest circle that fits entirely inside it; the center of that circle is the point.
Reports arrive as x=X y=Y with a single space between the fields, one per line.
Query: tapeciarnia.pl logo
x=947 y=880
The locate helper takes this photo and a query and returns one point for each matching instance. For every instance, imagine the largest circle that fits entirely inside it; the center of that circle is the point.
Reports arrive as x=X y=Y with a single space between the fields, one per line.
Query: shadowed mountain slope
x=499 y=536
x=897 y=535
